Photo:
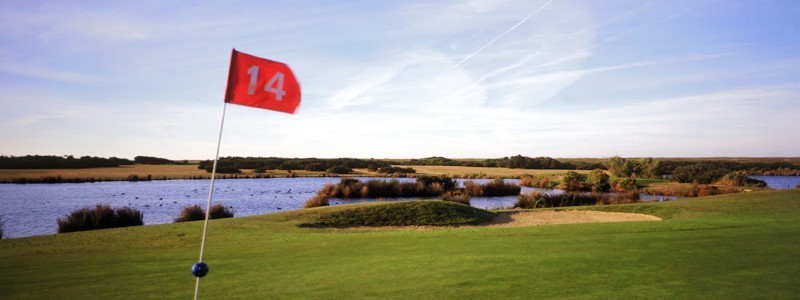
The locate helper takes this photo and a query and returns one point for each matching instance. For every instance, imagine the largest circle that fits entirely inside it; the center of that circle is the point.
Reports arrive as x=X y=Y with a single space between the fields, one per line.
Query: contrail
x=498 y=37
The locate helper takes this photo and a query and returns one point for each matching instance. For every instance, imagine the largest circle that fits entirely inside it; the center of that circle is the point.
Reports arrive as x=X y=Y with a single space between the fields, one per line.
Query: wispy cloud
x=44 y=72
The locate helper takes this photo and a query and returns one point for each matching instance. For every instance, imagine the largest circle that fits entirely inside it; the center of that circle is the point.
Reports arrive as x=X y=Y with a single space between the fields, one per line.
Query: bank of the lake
x=32 y=209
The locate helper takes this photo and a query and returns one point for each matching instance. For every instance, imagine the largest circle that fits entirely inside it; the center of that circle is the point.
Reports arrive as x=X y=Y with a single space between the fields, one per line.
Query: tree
x=619 y=167
x=648 y=167
x=599 y=181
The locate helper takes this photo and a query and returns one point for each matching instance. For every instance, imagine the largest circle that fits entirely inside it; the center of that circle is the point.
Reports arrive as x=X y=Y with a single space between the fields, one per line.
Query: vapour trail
x=498 y=37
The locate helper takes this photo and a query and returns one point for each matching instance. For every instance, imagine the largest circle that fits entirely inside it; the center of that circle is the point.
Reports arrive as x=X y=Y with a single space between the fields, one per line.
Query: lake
x=779 y=182
x=32 y=209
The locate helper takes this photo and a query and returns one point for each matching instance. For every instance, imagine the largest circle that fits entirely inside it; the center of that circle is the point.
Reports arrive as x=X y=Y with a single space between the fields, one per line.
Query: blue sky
x=405 y=79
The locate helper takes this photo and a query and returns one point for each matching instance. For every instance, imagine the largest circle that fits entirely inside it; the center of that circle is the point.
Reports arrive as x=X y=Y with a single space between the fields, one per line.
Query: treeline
x=261 y=164
x=60 y=162
x=513 y=162
x=778 y=168
x=150 y=160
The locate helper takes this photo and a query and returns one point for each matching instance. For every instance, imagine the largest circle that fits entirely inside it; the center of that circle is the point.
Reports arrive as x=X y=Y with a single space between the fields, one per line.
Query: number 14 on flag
x=262 y=83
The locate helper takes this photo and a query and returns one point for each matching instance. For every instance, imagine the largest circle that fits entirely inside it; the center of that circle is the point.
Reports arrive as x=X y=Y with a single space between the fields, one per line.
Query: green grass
x=729 y=246
x=436 y=213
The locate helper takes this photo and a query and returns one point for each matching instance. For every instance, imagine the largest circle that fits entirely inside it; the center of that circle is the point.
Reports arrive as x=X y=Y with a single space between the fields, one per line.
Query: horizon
x=563 y=79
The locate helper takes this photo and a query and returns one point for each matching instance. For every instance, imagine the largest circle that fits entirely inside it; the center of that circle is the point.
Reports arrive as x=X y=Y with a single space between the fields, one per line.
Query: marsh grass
x=542 y=200
x=196 y=213
x=102 y=216
x=537 y=181
x=456 y=196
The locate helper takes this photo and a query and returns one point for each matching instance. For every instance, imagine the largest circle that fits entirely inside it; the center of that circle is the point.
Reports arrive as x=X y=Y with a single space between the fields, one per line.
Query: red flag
x=262 y=83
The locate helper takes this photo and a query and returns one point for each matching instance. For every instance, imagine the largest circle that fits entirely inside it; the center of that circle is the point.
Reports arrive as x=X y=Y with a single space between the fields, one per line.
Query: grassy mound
x=405 y=213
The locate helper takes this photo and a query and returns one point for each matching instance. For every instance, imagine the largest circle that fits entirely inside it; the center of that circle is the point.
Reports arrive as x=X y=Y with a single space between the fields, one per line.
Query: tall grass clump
x=543 y=182
x=316 y=201
x=543 y=200
x=101 y=216
x=2 y=227
x=196 y=213
x=456 y=196
x=499 y=187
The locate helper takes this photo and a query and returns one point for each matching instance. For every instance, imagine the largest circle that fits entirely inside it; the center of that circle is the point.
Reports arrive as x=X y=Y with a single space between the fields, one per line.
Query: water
x=32 y=209
x=779 y=182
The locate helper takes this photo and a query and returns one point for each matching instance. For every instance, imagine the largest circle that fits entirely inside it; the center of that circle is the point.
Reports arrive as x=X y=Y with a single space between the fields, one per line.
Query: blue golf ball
x=200 y=269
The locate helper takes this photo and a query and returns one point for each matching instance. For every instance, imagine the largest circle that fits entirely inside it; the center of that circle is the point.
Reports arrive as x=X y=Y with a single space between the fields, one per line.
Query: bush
x=218 y=211
x=2 y=227
x=197 y=213
x=191 y=213
x=101 y=216
x=624 y=185
x=573 y=181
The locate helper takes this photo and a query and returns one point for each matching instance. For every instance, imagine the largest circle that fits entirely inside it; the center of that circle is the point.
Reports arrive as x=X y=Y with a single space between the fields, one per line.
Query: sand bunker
x=547 y=217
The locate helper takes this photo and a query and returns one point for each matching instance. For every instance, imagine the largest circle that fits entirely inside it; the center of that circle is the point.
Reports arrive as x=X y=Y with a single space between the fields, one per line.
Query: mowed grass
x=729 y=246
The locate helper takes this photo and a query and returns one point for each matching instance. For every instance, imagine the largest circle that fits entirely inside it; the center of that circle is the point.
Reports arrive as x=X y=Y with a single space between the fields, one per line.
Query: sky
x=405 y=79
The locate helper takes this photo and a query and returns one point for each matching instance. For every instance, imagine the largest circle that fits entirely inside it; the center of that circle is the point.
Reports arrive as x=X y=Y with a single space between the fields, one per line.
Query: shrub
x=624 y=185
x=191 y=213
x=2 y=227
x=499 y=187
x=573 y=181
x=101 y=216
x=219 y=211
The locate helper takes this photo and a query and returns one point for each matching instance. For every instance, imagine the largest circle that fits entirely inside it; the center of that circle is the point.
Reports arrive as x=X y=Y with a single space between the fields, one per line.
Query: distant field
x=118 y=173
x=737 y=246
x=191 y=171
x=488 y=172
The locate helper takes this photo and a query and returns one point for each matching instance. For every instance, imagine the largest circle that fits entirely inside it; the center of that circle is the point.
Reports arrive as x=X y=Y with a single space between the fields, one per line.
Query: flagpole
x=210 y=195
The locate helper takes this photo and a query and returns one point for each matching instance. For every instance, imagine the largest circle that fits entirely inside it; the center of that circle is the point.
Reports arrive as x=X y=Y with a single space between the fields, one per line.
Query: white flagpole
x=210 y=195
